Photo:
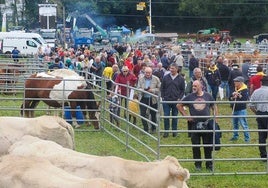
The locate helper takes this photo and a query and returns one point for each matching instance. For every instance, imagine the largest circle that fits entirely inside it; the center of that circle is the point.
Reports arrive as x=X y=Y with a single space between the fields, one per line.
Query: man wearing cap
x=235 y=72
x=240 y=109
x=261 y=108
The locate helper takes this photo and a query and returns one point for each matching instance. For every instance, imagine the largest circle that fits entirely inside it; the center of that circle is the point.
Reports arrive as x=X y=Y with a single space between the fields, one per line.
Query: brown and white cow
x=129 y=173
x=35 y=172
x=45 y=127
x=60 y=88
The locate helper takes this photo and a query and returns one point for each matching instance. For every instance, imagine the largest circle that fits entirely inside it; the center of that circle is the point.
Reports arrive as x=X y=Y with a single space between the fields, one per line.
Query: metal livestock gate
x=233 y=158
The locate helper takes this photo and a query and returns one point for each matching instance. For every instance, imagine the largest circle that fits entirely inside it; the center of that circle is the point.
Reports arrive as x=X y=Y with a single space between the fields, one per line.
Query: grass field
x=100 y=143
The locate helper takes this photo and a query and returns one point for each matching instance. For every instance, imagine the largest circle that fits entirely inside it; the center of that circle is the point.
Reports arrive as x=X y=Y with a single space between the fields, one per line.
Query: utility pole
x=64 y=26
x=141 y=6
x=150 y=16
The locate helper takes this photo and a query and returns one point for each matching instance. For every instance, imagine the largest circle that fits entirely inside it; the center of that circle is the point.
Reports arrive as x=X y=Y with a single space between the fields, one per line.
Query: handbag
x=201 y=125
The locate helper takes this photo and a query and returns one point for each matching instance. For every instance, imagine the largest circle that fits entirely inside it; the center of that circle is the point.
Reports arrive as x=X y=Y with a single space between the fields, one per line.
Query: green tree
x=31 y=13
x=240 y=16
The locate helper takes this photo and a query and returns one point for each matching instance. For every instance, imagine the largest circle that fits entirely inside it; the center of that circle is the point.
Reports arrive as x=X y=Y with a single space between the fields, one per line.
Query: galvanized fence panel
x=233 y=158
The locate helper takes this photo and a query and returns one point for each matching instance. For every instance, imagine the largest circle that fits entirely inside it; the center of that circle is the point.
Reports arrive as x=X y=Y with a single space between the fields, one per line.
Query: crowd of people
x=160 y=72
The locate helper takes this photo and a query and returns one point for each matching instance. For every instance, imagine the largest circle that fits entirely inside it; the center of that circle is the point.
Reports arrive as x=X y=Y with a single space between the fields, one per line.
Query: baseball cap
x=239 y=79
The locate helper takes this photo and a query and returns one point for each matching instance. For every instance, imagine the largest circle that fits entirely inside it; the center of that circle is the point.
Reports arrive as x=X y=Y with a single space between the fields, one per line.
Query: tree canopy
x=241 y=17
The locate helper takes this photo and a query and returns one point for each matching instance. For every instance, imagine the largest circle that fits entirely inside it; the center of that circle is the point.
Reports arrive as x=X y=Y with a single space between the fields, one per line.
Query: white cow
x=35 y=172
x=160 y=174
x=45 y=127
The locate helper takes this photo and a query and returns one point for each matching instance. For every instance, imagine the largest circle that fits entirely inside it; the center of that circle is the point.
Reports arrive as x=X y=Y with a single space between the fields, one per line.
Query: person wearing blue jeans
x=150 y=84
x=243 y=122
x=172 y=90
x=224 y=70
x=224 y=84
x=240 y=109
x=167 y=107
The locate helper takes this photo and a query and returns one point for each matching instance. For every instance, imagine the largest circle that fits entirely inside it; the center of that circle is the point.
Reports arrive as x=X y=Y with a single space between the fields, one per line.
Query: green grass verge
x=98 y=143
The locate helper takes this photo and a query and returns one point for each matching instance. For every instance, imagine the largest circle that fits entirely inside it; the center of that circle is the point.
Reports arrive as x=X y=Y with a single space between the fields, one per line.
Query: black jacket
x=172 y=90
x=224 y=71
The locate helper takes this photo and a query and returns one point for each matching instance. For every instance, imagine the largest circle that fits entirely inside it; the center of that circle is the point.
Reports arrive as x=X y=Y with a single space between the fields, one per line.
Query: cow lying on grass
x=35 y=172
x=44 y=127
x=160 y=174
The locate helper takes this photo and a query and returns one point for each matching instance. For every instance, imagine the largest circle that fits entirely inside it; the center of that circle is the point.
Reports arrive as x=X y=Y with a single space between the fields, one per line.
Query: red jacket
x=256 y=81
x=129 y=64
x=130 y=79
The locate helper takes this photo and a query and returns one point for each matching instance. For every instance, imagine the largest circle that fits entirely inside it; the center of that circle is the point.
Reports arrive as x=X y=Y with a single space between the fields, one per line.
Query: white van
x=26 y=43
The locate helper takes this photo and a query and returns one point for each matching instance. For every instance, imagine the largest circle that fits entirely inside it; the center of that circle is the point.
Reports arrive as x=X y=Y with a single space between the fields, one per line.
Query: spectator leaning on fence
x=240 y=109
x=172 y=90
x=197 y=109
x=122 y=80
x=197 y=75
x=15 y=54
x=258 y=104
x=150 y=84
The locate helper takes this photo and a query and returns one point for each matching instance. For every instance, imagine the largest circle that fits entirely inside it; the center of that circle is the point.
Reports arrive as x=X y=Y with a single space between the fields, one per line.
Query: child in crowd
x=114 y=108
x=133 y=106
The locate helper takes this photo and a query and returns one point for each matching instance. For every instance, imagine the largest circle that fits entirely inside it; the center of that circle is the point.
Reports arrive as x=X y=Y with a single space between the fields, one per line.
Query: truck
x=83 y=36
x=26 y=43
x=205 y=35
x=49 y=35
x=262 y=37
x=213 y=34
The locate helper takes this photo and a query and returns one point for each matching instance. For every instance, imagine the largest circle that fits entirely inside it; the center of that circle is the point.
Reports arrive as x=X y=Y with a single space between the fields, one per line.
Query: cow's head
x=178 y=175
